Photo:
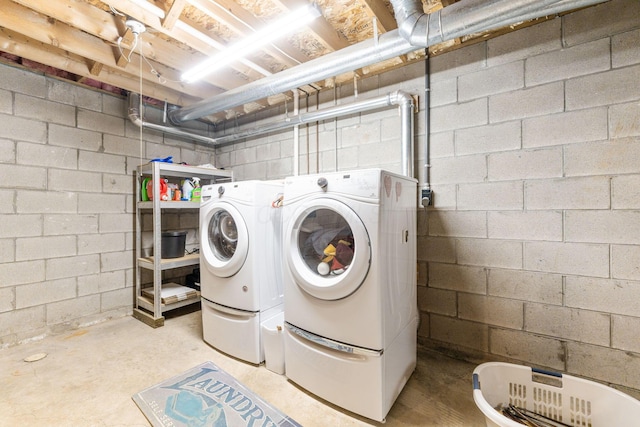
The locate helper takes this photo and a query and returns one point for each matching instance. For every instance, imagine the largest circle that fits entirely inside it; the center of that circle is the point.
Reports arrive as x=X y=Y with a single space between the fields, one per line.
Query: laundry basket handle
x=543 y=376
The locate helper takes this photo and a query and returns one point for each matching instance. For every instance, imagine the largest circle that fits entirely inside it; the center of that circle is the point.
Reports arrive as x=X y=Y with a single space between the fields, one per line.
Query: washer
x=241 y=264
x=351 y=333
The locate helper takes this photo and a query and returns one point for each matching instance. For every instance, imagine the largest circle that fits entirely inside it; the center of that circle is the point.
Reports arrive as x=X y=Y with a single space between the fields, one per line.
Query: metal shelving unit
x=150 y=311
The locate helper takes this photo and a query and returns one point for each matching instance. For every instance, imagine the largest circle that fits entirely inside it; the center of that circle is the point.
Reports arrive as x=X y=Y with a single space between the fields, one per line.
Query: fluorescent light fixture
x=266 y=35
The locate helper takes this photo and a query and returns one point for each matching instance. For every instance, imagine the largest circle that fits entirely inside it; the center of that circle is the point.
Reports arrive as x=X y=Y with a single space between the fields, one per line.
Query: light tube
x=271 y=32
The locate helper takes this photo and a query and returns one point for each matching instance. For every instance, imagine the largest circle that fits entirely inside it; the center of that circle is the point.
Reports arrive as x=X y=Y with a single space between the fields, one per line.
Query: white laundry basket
x=570 y=400
x=273 y=341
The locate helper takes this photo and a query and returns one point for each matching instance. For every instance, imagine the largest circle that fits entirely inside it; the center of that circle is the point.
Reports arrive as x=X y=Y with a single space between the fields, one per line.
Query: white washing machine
x=351 y=312
x=240 y=264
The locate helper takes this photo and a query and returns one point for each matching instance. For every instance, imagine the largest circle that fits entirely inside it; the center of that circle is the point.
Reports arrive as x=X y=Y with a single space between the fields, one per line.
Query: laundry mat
x=207 y=396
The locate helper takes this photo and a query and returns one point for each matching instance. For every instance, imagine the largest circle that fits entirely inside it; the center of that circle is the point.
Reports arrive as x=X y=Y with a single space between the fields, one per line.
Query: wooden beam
x=323 y=30
x=377 y=9
x=173 y=14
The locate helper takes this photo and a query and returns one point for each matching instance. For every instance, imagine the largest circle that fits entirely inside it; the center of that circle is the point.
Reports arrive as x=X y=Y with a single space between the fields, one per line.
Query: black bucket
x=173 y=244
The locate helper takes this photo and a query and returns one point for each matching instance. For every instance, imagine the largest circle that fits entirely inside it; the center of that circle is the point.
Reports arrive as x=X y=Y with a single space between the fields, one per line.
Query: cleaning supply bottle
x=197 y=190
x=187 y=188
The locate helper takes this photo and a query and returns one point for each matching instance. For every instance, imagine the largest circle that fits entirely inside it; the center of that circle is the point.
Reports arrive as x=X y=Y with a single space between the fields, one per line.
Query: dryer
x=240 y=264
x=350 y=286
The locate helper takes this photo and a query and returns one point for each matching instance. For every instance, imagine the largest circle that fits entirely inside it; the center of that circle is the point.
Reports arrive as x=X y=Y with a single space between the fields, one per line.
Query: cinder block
x=624 y=333
x=265 y=151
x=606 y=88
x=46 y=202
x=624 y=49
x=114 y=105
x=603 y=363
x=527 y=164
x=525 y=225
x=441 y=145
x=529 y=348
x=530 y=102
x=23 y=177
x=463 y=333
x=7 y=300
x=101 y=203
x=490 y=253
x=487 y=82
x=458 y=62
x=6 y=102
x=45 y=292
x=602 y=158
x=65 y=136
x=568 y=193
x=22 y=81
x=569 y=258
x=7 y=151
x=458 y=116
x=44 y=110
x=605 y=295
x=20 y=226
x=525 y=43
x=112 y=261
x=118 y=184
x=625 y=262
x=279 y=168
x=436 y=249
x=443 y=92
x=526 y=285
x=55 y=225
x=19 y=322
x=115 y=299
x=505 y=195
x=7 y=250
x=457 y=223
x=449 y=170
x=378 y=154
x=74 y=95
x=19 y=273
x=115 y=223
x=567 y=63
x=59 y=268
x=101 y=162
x=99 y=122
x=161 y=151
x=565 y=128
x=46 y=155
x=568 y=323
x=33 y=248
x=458 y=278
x=121 y=145
x=443 y=196
x=438 y=301
x=71 y=180
x=21 y=129
x=72 y=309
x=606 y=226
x=105 y=281
x=624 y=120
x=9 y=204
x=490 y=138
x=491 y=310
x=600 y=21
x=99 y=243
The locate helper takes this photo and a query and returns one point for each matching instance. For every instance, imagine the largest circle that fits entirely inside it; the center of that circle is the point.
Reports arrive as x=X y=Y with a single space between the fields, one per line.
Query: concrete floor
x=89 y=376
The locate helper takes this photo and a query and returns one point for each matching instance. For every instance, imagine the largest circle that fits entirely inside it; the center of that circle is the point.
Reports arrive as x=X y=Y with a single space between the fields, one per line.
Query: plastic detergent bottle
x=187 y=188
x=197 y=190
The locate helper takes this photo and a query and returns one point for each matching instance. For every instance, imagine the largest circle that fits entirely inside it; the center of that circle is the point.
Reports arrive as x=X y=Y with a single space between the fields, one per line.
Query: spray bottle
x=197 y=190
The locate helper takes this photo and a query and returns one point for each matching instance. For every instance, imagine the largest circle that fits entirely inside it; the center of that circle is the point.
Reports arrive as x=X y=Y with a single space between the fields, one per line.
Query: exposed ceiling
x=87 y=41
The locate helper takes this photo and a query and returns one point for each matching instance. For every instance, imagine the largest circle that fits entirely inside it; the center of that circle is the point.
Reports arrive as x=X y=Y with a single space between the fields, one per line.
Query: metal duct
x=399 y=98
x=416 y=30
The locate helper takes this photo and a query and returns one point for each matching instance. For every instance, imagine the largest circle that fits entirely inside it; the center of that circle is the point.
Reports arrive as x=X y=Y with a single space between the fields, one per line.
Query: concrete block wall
x=67 y=238
x=531 y=252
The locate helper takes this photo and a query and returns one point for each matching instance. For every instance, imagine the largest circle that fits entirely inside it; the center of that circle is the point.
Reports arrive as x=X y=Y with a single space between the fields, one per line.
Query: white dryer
x=350 y=286
x=240 y=264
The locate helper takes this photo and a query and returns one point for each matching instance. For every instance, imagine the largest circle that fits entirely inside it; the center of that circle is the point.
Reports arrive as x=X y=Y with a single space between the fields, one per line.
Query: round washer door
x=224 y=240
x=327 y=248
